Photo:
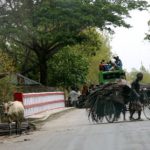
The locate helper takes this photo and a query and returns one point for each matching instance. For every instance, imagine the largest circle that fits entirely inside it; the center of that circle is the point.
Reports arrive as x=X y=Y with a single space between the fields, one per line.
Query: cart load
x=111 y=97
x=108 y=101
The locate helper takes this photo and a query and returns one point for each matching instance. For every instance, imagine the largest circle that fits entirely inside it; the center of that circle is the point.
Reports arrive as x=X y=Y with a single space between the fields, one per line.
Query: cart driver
x=136 y=105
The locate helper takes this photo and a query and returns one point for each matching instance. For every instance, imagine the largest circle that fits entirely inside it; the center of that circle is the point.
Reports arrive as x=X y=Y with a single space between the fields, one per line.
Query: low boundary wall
x=35 y=103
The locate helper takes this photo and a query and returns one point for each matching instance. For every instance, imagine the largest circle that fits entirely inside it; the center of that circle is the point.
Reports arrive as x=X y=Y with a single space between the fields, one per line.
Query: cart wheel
x=109 y=111
x=146 y=111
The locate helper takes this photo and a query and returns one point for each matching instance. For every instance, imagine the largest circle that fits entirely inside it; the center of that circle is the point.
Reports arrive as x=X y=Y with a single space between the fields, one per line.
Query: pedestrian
x=78 y=90
x=135 y=104
x=73 y=96
x=85 y=90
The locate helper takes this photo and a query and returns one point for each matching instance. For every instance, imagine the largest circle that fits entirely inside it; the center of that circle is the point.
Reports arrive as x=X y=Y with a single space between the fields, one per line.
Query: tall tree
x=46 y=26
x=103 y=53
x=70 y=66
x=6 y=68
x=67 y=68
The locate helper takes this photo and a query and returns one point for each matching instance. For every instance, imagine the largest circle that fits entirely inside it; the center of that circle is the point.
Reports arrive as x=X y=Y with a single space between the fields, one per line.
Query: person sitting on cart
x=118 y=62
x=103 y=66
x=135 y=104
x=112 y=66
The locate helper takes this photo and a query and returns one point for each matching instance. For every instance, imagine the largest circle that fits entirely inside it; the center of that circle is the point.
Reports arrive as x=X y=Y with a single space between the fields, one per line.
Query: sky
x=129 y=44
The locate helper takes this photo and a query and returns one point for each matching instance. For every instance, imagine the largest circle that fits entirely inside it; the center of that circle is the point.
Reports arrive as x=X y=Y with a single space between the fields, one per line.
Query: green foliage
x=67 y=68
x=7 y=64
x=6 y=87
x=26 y=63
x=132 y=75
x=90 y=42
x=47 y=26
x=93 y=47
x=146 y=73
x=103 y=53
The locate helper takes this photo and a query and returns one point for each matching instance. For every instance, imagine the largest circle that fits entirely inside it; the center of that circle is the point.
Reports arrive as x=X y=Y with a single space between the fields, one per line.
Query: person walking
x=135 y=104
x=73 y=96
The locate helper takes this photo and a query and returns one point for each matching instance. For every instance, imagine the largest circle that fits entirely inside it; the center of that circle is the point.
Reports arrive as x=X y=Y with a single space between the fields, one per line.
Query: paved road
x=73 y=131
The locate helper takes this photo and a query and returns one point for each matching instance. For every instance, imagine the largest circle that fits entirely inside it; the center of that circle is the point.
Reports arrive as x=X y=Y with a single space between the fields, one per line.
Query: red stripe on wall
x=42 y=104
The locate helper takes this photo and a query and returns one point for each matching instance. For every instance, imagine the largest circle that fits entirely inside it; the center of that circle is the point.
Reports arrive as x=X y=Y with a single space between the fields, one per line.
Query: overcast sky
x=129 y=44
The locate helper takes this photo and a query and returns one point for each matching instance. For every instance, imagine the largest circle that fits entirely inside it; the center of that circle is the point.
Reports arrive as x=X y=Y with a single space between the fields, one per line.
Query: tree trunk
x=43 y=70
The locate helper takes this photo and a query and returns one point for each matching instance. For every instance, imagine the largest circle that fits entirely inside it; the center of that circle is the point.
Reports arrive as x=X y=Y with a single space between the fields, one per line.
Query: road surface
x=73 y=131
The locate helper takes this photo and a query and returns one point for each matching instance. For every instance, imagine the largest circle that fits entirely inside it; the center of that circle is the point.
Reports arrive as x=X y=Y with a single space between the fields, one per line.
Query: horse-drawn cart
x=112 y=97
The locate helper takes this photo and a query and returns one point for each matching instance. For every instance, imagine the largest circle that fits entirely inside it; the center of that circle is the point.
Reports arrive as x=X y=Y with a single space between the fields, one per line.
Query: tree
x=7 y=64
x=67 y=68
x=90 y=42
x=146 y=74
x=103 y=53
x=132 y=75
x=47 y=26
x=93 y=48
x=6 y=68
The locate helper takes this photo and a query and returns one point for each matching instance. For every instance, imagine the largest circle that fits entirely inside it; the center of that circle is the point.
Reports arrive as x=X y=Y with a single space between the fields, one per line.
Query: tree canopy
x=104 y=53
x=67 y=68
x=47 y=26
x=71 y=65
x=6 y=68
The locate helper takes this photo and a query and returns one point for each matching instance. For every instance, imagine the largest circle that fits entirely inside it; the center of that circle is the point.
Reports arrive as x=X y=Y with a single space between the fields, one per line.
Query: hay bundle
x=113 y=92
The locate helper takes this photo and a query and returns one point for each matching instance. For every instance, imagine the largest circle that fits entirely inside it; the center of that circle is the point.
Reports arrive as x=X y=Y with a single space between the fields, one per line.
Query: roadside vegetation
x=60 y=42
x=146 y=78
x=6 y=68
